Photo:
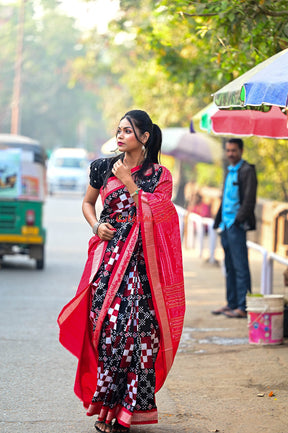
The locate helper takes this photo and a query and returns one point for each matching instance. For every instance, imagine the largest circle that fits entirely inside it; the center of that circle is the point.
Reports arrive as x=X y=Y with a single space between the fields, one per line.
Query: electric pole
x=16 y=98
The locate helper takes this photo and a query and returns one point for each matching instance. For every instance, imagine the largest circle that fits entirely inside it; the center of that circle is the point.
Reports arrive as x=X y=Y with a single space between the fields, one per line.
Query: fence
x=195 y=227
x=269 y=270
x=264 y=252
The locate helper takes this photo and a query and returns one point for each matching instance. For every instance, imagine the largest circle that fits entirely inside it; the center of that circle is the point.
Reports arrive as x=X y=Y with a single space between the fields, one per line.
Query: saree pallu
x=154 y=226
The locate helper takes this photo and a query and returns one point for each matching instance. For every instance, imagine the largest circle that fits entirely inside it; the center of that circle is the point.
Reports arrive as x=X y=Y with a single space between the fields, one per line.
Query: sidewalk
x=217 y=375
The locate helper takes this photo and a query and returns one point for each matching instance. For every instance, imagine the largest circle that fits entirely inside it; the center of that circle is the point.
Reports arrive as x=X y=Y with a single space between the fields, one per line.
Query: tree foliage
x=232 y=35
x=169 y=57
x=270 y=158
x=164 y=56
x=201 y=45
x=52 y=110
x=188 y=49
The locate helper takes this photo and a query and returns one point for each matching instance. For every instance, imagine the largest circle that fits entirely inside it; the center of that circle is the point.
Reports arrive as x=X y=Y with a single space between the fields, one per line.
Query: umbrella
x=203 y=117
x=271 y=124
x=110 y=147
x=265 y=84
x=181 y=144
x=190 y=147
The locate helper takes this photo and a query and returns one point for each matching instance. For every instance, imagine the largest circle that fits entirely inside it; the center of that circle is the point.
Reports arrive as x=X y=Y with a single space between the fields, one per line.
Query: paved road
x=36 y=372
x=213 y=384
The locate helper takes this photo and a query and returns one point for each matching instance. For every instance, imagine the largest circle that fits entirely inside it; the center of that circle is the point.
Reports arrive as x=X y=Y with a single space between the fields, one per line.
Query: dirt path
x=217 y=375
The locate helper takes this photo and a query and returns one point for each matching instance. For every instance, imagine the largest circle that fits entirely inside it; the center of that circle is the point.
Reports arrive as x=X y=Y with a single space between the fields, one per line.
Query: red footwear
x=237 y=314
x=221 y=310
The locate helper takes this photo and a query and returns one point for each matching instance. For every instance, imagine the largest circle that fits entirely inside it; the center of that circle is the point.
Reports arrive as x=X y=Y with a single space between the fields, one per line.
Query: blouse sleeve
x=98 y=171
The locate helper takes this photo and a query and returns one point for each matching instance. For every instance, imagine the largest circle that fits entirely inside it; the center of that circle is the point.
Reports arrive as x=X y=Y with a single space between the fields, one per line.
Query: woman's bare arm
x=88 y=205
x=105 y=230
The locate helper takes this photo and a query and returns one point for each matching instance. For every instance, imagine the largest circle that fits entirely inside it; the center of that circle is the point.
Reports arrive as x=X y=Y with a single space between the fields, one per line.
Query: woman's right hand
x=106 y=231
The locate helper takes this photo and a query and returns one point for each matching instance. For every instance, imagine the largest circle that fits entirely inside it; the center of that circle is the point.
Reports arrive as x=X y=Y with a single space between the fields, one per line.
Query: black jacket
x=247 y=181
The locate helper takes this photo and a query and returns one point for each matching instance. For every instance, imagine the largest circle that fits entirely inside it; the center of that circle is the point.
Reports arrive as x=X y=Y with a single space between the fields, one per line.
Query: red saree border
x=113 y=184
x=126 y=417
x=155 y=284
x=163 y=257
x=96 y=252
x=97 y=258
x=148 y=417
x=70 y=307
x=137 y=417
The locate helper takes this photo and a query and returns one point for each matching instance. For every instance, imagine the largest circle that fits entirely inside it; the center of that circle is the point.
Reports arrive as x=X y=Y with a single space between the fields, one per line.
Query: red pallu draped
x=158 y=219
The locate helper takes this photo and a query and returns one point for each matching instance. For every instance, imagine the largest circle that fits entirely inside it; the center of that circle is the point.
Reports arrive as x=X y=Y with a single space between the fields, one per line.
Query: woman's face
x=126 y=138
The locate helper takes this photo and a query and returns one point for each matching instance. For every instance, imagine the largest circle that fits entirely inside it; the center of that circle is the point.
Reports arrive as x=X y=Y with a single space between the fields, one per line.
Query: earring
x=145 y=150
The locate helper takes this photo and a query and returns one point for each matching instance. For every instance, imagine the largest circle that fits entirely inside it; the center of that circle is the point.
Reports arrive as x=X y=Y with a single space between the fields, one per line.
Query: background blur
x=72 y=69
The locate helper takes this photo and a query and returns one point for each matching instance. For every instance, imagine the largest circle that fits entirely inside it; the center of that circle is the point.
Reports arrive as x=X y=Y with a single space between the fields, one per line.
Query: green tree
x=8 y=36
x=54 y=110
x=128 y=73
x=209 y=44
x=230 y=36
x=169 y=56
x=270 y=158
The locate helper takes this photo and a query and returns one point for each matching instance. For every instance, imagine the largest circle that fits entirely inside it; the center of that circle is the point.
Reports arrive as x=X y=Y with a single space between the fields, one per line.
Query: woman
x=125 y=322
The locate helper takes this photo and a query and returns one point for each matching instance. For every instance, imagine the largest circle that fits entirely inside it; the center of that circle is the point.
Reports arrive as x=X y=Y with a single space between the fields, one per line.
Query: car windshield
x=70 y=162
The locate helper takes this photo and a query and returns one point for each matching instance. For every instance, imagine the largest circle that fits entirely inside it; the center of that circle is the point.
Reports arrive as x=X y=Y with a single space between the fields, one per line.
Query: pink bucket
x=265 y=319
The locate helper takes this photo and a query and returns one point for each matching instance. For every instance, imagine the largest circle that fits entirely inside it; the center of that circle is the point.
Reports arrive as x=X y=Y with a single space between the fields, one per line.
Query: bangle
x=96 y=227
x=135 y=192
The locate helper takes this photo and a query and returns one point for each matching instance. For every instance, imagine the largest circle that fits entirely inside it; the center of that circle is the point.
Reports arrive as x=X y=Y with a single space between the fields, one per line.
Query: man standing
x=234 y=217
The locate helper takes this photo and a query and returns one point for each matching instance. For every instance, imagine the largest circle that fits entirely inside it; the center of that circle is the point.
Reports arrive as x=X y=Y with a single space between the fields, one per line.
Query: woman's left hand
x=121 y=171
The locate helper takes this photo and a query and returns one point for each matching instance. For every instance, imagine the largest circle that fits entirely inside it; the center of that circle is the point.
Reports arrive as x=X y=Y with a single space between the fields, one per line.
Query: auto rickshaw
x=22 y=195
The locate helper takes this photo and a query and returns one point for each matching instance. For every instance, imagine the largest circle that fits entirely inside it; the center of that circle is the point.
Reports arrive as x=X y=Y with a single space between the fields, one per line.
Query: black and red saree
x=125 y=322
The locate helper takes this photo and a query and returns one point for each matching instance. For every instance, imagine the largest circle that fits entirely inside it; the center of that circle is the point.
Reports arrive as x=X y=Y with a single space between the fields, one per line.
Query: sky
x=98 y=12
x=88 y=14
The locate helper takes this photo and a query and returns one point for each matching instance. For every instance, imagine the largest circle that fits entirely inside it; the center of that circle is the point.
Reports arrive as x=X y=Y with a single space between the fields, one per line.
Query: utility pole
x=16 y=103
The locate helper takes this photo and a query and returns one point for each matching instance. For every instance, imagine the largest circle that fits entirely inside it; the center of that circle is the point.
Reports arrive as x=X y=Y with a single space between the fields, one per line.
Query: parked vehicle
x=22 y=195
x=68 y=170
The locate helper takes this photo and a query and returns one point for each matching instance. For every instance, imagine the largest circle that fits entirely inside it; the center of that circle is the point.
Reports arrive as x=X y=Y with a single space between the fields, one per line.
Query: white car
x=68 y=170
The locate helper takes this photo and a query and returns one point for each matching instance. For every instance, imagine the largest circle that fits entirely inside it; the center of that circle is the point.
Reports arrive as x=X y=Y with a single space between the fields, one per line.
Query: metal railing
x=195 y=233
x=269 y=270
x=196 y=229
x=181 y=216
x=264 y=283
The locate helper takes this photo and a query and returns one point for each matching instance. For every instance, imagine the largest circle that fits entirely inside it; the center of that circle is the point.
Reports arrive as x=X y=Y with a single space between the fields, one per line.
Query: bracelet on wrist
x=96 y=227
x=135 y=192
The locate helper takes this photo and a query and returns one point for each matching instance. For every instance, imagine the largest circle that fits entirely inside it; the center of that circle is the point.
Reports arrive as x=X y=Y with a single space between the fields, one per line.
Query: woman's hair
x=141 y=120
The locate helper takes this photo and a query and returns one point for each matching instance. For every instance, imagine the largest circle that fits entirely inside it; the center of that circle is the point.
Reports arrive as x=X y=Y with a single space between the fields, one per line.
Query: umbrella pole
x=224 y=158
x=180 y=183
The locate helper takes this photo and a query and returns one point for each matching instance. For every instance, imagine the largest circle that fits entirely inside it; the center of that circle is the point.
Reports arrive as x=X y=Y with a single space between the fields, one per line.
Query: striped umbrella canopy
x=265 y=84
x=270 y=124
x=203 y=117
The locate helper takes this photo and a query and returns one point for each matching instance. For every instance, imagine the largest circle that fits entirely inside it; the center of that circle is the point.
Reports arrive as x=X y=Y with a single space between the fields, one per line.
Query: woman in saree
x=125 y=322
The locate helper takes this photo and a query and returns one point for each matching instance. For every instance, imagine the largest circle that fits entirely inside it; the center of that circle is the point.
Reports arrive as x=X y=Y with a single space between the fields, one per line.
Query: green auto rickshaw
x=22 y=195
